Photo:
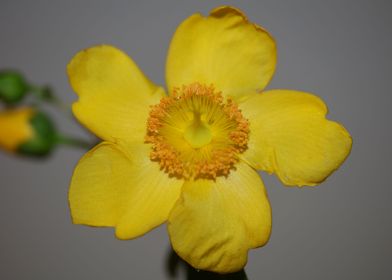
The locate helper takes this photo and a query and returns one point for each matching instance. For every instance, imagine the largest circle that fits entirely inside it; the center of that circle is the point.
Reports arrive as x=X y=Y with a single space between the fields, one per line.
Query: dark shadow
x=174 y=263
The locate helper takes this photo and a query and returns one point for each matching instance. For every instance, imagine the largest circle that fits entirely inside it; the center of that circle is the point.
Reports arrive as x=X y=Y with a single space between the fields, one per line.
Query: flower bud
x=26 y=131
x=13 y=87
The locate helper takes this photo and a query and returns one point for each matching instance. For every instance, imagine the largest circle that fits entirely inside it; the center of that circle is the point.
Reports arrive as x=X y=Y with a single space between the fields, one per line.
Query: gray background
x=339 y=50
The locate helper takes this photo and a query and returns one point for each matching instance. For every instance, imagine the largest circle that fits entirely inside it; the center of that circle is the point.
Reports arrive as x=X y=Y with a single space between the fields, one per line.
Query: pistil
x=197 y=134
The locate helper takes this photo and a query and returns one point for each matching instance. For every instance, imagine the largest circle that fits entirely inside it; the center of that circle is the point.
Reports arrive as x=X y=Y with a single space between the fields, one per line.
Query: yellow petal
x=113 y=187
x=290 y=136
x=114 y=95
x=15 y=128
x=214 y=224
x=153 y=195
x=224 y=49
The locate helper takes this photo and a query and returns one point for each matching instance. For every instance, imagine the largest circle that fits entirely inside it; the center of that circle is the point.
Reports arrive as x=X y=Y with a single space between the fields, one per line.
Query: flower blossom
x=189 y=156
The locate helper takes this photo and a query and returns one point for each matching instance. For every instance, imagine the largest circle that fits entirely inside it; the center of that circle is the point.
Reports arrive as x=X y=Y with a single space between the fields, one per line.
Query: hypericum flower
x=190 y=157
x=26 y=131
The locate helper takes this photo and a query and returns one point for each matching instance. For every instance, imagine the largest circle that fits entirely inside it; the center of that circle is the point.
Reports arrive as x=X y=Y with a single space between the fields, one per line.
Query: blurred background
x=339 y=50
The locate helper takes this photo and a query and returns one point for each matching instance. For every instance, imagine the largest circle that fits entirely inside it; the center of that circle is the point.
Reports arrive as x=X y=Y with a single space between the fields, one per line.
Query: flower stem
x=46 y=94
x=73 y=142
x=194 y=274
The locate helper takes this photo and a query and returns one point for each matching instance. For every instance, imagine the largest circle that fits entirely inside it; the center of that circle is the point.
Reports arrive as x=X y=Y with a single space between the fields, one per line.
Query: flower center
x=195 y=134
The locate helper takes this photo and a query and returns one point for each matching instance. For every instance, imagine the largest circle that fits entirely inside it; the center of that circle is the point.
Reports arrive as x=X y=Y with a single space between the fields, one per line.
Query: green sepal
x=44 y=138
x=13 y=87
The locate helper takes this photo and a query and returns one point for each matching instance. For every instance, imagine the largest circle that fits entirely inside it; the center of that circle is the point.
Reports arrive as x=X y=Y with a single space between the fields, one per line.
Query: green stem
x=174 y=262
x=193 y=274
x=46 y=94
x=74 y=142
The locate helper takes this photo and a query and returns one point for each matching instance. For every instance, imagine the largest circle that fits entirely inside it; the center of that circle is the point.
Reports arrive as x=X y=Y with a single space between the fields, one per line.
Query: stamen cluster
x=169 y=119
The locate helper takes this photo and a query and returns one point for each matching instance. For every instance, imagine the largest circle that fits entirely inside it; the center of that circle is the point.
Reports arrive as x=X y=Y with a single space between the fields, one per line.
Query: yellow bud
x=26 y=131
x=15 y=128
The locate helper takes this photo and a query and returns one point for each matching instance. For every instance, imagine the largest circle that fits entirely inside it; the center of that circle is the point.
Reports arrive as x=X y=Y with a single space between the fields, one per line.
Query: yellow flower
x=190 y=157
x=26 y=131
